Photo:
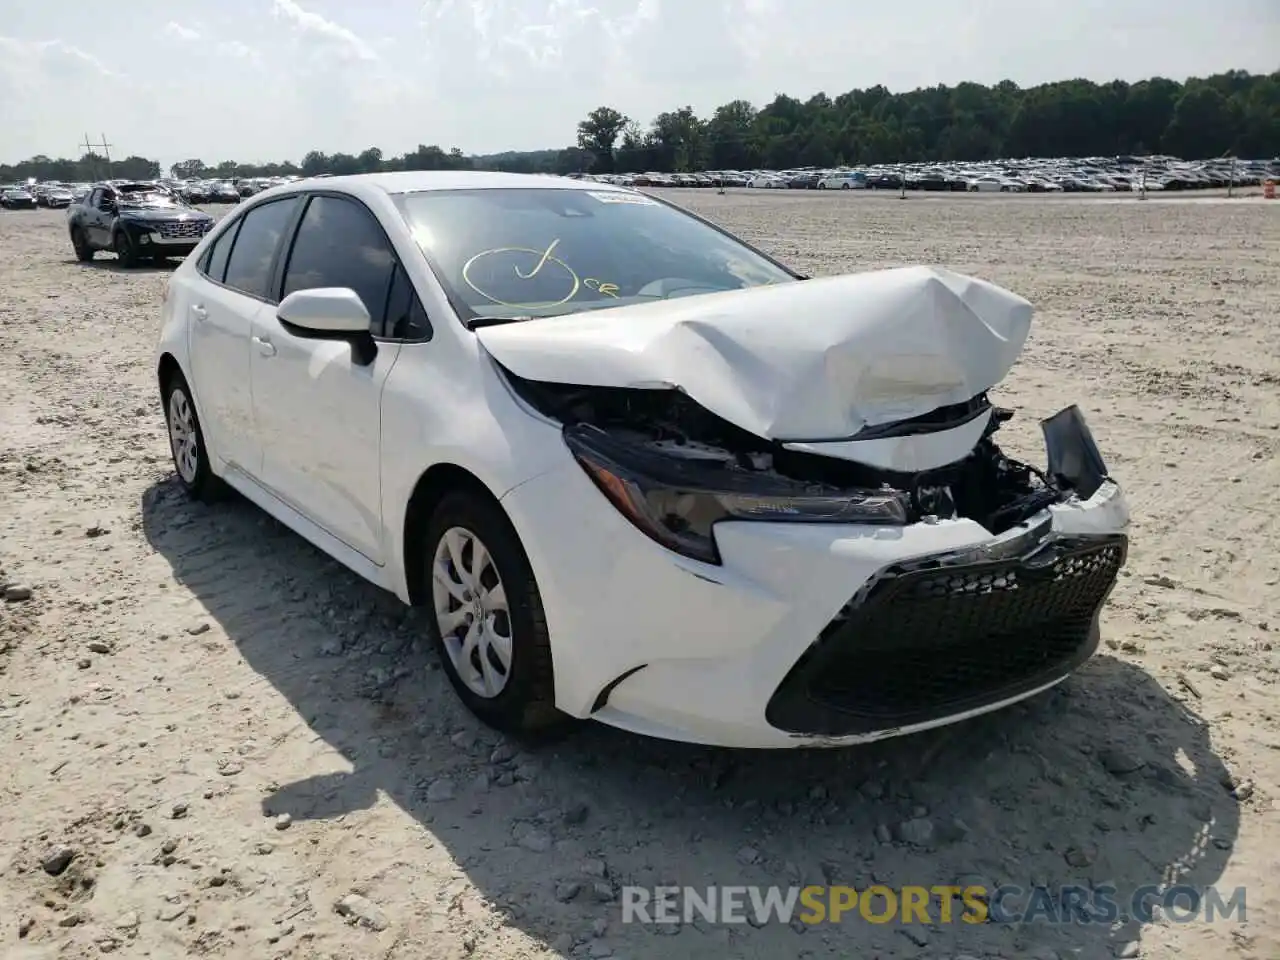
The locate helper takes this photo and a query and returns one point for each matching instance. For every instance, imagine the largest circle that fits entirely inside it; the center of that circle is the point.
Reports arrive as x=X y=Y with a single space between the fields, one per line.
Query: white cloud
x=177 y=31
x=305 y=21
x=542 y=35
x=239 y=50
x=751 y=27
x=33 y=59
x=317 y=84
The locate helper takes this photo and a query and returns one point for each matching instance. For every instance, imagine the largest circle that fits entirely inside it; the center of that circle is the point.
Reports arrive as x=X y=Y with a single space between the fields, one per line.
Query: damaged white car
x=637 y=470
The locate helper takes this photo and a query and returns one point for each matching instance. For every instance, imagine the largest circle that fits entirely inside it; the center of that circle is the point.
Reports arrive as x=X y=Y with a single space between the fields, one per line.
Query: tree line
x=1233 y=113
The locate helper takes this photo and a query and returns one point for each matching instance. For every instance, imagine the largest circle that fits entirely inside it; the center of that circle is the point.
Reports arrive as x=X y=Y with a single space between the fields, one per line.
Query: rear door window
x=253 y=253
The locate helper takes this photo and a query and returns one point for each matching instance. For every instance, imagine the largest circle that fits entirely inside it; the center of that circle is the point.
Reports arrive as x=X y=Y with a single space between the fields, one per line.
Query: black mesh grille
x=182 y=229
x=927 y=641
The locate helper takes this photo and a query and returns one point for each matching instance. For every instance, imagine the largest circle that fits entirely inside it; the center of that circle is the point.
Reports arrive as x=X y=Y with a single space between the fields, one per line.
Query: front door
x=99 y=218
x=317 y=407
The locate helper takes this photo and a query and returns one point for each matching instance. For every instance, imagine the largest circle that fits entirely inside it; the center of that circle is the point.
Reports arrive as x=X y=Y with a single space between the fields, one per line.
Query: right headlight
x=678 y=501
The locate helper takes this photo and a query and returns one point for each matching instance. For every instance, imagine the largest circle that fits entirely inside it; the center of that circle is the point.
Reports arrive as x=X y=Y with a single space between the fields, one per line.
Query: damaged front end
x=675 y=469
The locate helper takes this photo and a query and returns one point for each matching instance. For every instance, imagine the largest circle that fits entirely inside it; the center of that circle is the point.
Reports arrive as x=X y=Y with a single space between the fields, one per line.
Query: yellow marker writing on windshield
x=604 y=289
x=546 y=255
x=573 y=283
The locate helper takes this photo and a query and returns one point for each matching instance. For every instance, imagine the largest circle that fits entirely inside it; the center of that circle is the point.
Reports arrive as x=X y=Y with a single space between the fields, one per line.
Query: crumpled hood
x=813 y=360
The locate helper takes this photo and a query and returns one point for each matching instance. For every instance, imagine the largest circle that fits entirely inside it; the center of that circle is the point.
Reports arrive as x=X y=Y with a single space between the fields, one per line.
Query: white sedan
x=842 y=181
x=639 y=471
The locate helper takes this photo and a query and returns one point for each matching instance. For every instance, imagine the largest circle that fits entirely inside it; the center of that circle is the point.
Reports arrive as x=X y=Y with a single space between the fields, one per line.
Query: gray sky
x=258 y=80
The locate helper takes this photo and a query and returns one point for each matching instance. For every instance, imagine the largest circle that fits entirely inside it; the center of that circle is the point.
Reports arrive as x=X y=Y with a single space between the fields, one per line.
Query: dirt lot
x=228 y=732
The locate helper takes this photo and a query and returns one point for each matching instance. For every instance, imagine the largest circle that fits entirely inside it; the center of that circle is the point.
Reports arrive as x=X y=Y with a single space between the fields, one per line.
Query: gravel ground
x=213 y=734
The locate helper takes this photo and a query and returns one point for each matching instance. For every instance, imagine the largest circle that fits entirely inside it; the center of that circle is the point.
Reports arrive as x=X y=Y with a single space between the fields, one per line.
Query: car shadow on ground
x=112 y=264
x=1105 y=780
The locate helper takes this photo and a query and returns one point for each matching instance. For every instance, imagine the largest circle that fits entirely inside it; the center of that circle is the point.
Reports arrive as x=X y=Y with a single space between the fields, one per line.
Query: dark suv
x=135 y=221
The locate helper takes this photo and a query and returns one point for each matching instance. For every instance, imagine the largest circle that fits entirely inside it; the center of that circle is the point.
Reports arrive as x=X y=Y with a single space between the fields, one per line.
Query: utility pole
x=105 y=147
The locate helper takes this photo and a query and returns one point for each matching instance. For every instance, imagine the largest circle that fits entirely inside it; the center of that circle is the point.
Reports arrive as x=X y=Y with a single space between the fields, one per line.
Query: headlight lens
x=677 y=502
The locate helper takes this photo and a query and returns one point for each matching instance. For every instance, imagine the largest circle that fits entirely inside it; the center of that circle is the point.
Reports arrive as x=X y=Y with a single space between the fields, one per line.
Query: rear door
x=233 y=287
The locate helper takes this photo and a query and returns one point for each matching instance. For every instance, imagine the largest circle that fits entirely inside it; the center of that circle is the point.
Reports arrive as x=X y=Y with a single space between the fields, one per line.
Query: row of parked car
x=1091 y=175
x=224 y=191
x=21 y=196
x=56 y=195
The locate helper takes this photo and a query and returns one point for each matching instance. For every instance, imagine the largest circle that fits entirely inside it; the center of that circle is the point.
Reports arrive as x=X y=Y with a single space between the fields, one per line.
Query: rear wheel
x=487 y=620
x=84 y=252
x=186 y=442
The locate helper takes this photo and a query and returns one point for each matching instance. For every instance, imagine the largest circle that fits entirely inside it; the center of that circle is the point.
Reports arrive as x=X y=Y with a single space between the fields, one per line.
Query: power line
x=91 y=148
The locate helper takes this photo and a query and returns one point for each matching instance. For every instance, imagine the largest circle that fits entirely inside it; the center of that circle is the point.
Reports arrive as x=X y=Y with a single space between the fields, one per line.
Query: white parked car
x=992 y=184
x=842 y=181
x=639 y=471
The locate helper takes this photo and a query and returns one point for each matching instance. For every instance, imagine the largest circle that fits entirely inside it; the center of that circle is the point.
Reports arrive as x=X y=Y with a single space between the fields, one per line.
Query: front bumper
x=167 y=239
x=928 y=638
x=811 y=634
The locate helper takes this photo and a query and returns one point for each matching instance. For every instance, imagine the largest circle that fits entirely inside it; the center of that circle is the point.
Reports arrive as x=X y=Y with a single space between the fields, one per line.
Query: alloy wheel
x=182 y=436
x=471 y=612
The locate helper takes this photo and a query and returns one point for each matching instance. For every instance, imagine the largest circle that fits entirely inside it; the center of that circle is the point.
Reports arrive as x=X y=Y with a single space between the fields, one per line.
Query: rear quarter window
x=214 y=263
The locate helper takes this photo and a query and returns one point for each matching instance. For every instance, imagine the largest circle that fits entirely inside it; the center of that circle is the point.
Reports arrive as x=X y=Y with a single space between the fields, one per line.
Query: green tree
x=1204 y=122
x=598 y=134
x=187 y=170
x=1233 y=111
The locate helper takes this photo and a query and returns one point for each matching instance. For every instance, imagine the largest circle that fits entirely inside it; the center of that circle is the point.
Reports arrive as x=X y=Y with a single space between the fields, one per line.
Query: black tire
x=525 y=707
x=84 y=252
x=125 y=249
x=199 y=483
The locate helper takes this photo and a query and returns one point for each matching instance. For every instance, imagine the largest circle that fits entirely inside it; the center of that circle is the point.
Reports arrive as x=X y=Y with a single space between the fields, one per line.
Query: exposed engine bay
x=679 y=439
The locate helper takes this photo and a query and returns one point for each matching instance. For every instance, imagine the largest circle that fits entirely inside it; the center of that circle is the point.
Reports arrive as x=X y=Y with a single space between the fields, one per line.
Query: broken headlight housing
x=677 y=501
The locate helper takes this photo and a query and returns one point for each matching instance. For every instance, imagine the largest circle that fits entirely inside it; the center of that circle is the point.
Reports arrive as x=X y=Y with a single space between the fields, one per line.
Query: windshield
x=548 y=252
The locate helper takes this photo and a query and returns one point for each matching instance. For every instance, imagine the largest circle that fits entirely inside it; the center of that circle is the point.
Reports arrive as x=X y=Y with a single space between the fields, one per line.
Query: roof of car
x=413 y=181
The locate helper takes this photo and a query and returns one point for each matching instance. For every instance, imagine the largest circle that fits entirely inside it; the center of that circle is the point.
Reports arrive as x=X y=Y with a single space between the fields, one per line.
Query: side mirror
x=330 y=313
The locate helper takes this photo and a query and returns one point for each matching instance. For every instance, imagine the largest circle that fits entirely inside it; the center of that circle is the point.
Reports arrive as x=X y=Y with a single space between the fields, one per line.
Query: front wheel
x=125 y=249
x=186 y=442
x=487 y=620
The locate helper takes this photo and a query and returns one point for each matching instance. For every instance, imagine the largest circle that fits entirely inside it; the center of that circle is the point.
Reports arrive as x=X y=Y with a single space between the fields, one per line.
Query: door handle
x=265 y=346
x=199 y=312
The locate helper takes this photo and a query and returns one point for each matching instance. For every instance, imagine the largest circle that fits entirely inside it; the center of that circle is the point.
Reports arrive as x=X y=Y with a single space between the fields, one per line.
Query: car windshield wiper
x=475 y=323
